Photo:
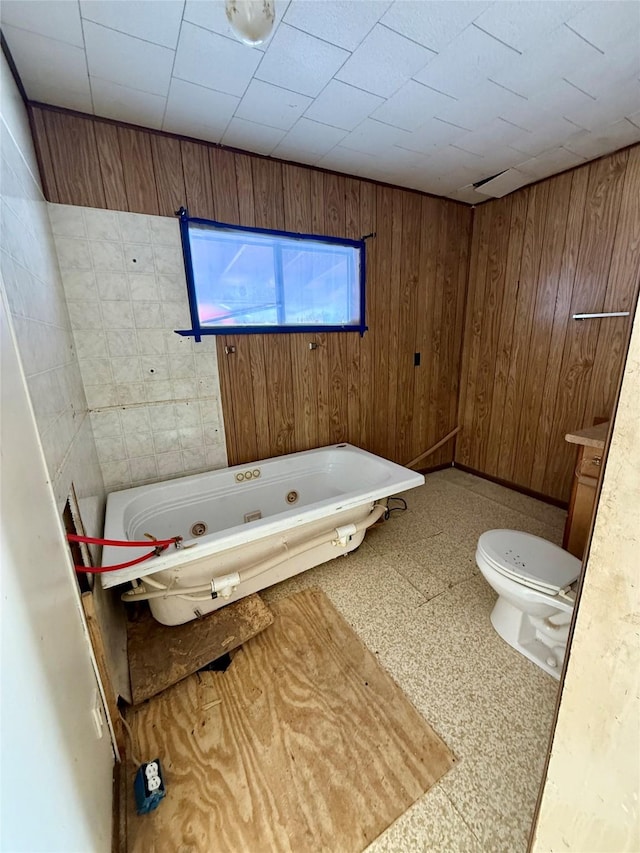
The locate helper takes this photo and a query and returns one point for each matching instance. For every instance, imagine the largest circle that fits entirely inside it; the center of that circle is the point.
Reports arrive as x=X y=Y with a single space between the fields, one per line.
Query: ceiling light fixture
x=251 y=20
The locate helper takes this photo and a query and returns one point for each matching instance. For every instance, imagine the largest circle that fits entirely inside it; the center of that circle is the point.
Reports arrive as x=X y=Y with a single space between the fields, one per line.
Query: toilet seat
x=528 y=560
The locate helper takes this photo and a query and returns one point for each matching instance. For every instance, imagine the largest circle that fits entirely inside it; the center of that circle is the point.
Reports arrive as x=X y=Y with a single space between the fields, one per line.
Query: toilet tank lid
x=530 y=557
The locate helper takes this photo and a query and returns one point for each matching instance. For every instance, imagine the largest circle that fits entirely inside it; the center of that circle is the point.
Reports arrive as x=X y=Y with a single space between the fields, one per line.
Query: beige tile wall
x=39 y=317
x=154 y=396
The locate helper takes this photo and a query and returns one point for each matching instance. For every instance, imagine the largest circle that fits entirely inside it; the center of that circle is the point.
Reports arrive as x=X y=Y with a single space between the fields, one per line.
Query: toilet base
x=529 y=635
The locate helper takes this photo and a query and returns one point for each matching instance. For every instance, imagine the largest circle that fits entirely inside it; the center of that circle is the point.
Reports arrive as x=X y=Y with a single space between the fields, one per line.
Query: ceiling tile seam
x=632 y=122
x=86 y=59
x=257 y=124
x=513 y=124
x=208 y=88
x=432 y=89
x=173 y=65
x=495 y=38
x=591 y=44
x=231 y=39
x=123 y=86
x=451 y=124
x=324 y=123
x=413 y=41
x=579 y=126
x=579 y=89
x=567 y=151
x=40 y=35
x=128 y=35
x=507 y=89
x=319 y=38
x=366 y=35
x=466 y=150
x=390 y=124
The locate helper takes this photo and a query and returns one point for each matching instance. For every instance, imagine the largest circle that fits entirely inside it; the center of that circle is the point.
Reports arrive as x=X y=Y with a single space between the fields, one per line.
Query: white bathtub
x=262 y=522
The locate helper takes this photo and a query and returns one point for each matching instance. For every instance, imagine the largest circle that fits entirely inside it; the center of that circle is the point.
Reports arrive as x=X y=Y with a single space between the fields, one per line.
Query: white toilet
x=532 y=578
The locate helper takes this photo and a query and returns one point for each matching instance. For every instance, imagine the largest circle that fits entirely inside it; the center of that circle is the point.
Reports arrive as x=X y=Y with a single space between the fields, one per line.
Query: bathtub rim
x=404 y=479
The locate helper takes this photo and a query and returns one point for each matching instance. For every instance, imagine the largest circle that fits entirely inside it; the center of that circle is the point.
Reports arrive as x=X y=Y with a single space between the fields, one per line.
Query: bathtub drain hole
x=199 y=528
x=292 y=497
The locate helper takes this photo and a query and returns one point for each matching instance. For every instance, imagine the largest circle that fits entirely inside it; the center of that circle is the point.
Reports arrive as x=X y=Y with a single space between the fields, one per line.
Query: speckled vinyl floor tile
x=432 y=824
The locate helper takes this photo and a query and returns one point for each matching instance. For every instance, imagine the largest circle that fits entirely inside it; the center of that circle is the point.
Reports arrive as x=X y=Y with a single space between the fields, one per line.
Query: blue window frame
x=247 y=280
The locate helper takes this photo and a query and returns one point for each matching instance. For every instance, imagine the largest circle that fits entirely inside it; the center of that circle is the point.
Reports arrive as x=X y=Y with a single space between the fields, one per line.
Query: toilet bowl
x=533 y=580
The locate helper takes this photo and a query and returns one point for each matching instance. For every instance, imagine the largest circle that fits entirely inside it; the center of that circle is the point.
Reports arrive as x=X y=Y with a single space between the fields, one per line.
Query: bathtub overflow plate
x=292 y=497
x=199 y=528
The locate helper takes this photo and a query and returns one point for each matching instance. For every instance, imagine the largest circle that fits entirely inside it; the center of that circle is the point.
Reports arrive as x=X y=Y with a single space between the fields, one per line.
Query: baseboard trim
x=509 y=485
x=435 y=468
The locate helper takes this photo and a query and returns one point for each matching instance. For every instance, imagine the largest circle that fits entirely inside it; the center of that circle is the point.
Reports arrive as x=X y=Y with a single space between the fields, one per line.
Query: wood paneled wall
x=278 y=395
x=530 y=373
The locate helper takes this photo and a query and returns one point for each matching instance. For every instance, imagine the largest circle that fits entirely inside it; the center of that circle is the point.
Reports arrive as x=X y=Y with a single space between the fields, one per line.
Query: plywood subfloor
x=160 y=656
x=304 y=744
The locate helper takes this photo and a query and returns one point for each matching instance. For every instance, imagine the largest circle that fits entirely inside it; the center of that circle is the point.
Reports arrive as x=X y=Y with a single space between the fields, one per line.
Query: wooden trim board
x=160 y=656
x=304 y=744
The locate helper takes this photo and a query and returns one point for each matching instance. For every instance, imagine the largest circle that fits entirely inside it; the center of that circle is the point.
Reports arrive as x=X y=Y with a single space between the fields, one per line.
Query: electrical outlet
x=149 y=787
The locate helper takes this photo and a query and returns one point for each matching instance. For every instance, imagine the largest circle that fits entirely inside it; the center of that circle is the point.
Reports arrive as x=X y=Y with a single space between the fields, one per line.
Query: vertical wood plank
x=167 y=166
x=473 y=331
x=463 y=232
x=381 y=297
x=228 y=395
x=454 y=293
x=244 y=186
x=436 y=367
x=197 y=179
x=543 y=316
x=393 y=311
x=224 y=186
x=367 y=226
x=239 y=404
x=260 y=393
x=431 y=211
x=137 y=167
x=519 y=204
x=267 y=194
x=45 y=161
x=492 y=309
x=534 y=229
x=296 y=188
x=407 y=322
x=280 y=393
x=110 y=158
x=74 y=154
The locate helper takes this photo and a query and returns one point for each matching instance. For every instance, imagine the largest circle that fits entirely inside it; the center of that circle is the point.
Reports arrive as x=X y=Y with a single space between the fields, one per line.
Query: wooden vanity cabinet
x=590 y=443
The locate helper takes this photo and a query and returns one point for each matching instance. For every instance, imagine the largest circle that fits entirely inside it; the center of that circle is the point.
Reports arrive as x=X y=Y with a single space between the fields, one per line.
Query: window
x=256 y=280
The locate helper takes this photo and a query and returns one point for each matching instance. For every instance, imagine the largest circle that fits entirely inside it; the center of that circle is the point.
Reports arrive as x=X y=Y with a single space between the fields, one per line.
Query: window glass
x=256 y=280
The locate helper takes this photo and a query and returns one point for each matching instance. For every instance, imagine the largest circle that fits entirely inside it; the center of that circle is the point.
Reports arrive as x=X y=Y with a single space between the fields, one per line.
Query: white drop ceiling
x=430 y=95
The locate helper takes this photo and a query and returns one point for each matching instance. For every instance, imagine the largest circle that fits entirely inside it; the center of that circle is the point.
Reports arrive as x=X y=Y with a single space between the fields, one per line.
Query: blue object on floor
x=149 y=787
